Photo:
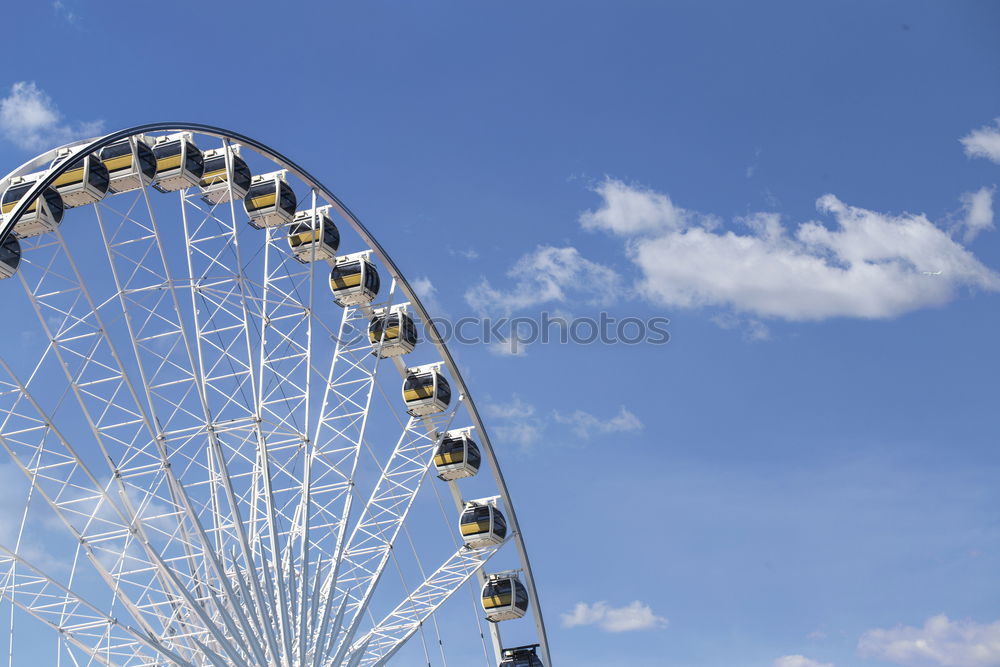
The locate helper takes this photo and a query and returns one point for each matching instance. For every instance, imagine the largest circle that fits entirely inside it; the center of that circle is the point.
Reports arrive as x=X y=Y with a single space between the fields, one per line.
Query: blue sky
x=805 y=476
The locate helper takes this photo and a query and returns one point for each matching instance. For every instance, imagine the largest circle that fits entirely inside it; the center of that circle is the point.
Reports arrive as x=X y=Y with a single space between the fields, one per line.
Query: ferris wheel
x=237 y=436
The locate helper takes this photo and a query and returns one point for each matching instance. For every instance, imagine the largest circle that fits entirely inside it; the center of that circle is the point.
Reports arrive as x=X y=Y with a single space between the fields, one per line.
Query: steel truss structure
x=218 y=467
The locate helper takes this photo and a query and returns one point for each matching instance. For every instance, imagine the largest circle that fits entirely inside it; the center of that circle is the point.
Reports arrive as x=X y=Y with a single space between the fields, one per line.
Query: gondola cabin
x=10 y=256
x=130 y=163
x=521 y=656
x=482 y=525
x=425 y=391
x=354 y=280
x=85 y=181
x=313 y=236
x=42 y=215
x=457 y=456
x=392 y=332
x=226 y=176
x=504 y=597
x=179 y=163
x=270 y=202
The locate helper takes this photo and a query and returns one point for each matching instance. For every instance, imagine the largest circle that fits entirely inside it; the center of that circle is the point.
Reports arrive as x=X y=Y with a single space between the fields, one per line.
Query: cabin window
x=193 y=160
x=473 y=457
x=371 y=279
x=55 y=203
x=242 y=176
x=118 y=149
x=98 y=177
x=147 y=160
x=443 y=390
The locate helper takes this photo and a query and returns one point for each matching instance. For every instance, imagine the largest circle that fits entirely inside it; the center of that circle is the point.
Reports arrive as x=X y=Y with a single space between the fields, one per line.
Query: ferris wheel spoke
x=342 y=425
x=373 y=536
x=284 y=387
x=389 y=635
x=339 y=435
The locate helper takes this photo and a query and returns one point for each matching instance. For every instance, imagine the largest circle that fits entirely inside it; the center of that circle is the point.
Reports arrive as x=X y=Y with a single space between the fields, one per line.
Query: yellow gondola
x=306 y=243
x=504 y=597
x=521 y=656
x=354 y=280
x=40 y=216
x=270 y=202
x=85 y=181
x=179 y=163
x=425 y=391
x=131 y=164
x=392 y=332
x=216 y=185
x=482 y=525
x=457 y=456
x=10 y=256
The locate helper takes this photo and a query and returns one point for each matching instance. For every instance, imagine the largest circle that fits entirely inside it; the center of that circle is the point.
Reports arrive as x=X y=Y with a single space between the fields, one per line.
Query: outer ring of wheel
x=94 y=145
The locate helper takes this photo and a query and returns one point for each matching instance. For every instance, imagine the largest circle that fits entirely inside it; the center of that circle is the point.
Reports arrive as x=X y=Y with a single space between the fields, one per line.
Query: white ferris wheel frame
x=399 y=625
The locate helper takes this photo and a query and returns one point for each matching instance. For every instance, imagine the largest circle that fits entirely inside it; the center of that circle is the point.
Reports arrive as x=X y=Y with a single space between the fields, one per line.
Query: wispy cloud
x=428 y=295
x=465 y=253
x=799 y=661
x=515 y=408
x=508 y=348
x=984 y=142
x=866 y=264
x=515 y=422
x=978 y=207
x=65 y=12
x=524 y=433
x=631 y=617
x=30 y=120
x=546 y=275
x=941 y=642
x=750 y=328
x=587 y=425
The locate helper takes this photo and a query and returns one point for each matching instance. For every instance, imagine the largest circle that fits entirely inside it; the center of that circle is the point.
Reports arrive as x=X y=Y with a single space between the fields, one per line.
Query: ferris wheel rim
x=93 y=145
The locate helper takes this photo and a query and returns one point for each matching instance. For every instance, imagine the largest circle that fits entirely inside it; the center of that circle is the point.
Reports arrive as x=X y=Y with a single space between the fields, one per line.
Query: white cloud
x=634 y=616
x=515 y=409
x=523 y=433
x=467 y=253
x=508 y=348
x=427 y=293
x=586 y=425
x=30 y=120
x=751 y=329
x=799 y=661
x=867 y=265
x=65 y=12
x=544 y=275
x=984 y=142
x=633 y=209
x=978 y=208
x=941 y=642
x=515 y=422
